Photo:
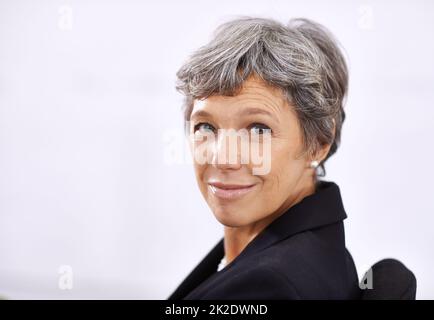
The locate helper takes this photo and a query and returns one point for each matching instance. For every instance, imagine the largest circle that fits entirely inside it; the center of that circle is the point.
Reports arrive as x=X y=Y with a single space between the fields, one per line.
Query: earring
x=314 y=164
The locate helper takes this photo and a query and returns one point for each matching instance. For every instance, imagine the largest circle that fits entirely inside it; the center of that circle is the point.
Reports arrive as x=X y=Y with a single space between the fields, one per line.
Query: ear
x=322 y=153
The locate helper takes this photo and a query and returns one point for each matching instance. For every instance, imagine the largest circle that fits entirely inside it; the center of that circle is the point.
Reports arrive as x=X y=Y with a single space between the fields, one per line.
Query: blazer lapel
x=203 y=271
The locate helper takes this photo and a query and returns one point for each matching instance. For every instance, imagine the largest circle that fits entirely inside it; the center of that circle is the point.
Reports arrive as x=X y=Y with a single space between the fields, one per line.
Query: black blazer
x=300 y=255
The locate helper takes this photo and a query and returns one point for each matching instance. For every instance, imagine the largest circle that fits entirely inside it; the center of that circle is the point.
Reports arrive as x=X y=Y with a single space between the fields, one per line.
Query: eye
x=203 y=127
x=259 y=128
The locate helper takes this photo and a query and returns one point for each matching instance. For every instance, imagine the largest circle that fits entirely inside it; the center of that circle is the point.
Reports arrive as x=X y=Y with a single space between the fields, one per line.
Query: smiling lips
x=229 y=191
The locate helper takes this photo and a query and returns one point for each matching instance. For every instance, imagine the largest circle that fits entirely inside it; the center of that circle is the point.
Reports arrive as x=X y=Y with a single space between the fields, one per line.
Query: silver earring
x=314 y=164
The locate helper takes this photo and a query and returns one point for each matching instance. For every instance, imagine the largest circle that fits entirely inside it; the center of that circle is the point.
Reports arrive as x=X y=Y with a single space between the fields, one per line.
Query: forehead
x=254 y=93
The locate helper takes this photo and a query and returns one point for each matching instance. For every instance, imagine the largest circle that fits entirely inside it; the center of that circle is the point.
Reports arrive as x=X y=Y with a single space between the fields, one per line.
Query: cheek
x=285 y=171
x=199 y=171
x=200 y=166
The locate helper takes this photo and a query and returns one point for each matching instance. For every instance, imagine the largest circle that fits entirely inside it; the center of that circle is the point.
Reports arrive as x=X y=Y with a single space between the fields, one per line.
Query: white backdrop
x=87 y=112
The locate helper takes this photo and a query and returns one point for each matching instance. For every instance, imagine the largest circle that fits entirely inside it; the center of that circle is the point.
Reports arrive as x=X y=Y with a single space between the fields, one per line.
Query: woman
x=283 y=227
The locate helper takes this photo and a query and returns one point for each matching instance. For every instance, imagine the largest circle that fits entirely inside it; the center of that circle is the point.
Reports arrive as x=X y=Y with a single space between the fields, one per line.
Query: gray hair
x=302 y=59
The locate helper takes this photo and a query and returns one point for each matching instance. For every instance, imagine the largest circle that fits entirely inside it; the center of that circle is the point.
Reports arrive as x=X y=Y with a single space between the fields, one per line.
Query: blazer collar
x=319 y=209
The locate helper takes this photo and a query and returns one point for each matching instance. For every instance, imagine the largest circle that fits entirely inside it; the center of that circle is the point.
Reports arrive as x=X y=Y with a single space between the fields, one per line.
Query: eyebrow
x=249 y=111
x=201 y=113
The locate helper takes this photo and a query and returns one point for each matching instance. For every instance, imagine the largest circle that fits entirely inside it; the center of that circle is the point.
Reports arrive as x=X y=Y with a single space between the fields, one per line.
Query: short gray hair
x=302 y=59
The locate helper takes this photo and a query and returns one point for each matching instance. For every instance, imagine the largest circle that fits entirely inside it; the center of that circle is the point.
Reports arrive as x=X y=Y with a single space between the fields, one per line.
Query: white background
x=87 y=103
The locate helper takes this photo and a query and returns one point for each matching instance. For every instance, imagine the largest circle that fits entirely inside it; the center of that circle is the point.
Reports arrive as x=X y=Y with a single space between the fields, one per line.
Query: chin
x=230 y=218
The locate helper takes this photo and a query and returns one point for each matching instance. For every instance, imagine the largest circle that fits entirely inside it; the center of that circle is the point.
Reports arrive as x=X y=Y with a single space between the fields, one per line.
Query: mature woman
x=285 y=86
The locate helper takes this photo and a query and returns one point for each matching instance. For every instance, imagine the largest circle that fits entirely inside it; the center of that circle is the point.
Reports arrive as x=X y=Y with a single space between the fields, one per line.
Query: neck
x=237 y=238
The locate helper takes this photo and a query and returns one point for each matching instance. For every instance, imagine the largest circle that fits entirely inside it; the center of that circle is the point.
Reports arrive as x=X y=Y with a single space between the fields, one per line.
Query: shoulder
x=315 y=264
x=254 y=283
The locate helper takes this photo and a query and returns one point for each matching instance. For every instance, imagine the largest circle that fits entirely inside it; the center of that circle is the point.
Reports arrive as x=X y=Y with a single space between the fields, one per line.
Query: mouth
x=230 y=191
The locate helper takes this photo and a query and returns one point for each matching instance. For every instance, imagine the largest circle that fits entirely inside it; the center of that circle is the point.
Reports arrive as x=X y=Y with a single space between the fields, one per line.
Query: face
x=236 y=195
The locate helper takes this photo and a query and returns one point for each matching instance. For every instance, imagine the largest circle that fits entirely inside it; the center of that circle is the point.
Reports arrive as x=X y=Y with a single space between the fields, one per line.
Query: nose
x=227 y=153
